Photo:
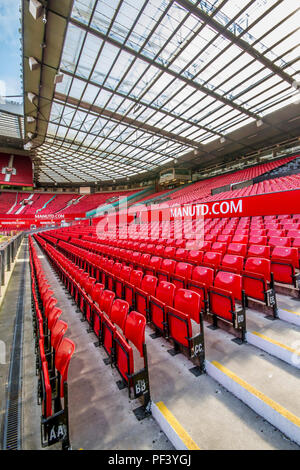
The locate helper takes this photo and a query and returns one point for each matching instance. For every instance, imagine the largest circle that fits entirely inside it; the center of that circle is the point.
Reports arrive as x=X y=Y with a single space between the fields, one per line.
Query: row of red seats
x=144 y=291
x=115 y=327
x=283 y=263
x=173 y=319
x=54 y=352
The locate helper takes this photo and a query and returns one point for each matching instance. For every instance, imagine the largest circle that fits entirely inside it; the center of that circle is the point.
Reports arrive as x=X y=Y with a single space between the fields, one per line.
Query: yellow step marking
x=278 y=408
x=180 y=431
x=291 y=311
x=281 y=345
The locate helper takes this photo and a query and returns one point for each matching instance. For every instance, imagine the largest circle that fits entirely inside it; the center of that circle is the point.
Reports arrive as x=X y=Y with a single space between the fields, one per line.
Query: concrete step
x=278 y=338
x=252 y=375
x=212 y=417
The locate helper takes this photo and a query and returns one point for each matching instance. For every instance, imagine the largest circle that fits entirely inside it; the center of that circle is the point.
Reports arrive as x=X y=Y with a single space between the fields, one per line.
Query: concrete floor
x=101 y=415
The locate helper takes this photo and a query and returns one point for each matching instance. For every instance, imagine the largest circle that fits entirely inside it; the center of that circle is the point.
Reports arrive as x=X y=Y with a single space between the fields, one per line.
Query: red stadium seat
x=232 y=263
x=284 y=261
x=258 y=282
x=223 y=294
x=164 y=296
x=182 y=274
x=148 y=287
x=186 y=308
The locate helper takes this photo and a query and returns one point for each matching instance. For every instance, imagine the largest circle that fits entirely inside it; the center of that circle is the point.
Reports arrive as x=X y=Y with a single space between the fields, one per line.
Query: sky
x=10 y=53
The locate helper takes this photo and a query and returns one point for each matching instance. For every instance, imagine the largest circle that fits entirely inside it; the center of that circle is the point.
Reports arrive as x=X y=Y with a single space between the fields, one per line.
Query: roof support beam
x=187 y=5
x=116 y=117
x=165 y=69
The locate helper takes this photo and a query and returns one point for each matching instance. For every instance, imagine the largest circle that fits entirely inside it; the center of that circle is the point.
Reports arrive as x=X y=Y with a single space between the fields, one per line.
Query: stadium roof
x=149 y=83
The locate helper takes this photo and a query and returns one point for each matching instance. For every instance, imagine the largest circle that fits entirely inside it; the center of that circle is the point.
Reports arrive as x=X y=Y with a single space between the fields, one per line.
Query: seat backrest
x=97 y=292
x=203 y=275
x=119 y=312
x=170 y=252
x=181 y=254
x=195 y=256
x=106 y=301
x=165 y=292
x=212 y=257
x=134 y=330
x=279 y=241
x=155 y=262
x=145 y=258
x=189 y=302
x=260 y=266
x=219 y=247
x=237 y=249
x=149 y=284
x=168 y=265
x=261 y=251
x=286 y=254
x=63 y=356
x=136 y=277
x=125 y=272
x=117 y=268
x=57 y=333
x=183 y=269
x=53 y=316
x=230 y=282
x=233 y=261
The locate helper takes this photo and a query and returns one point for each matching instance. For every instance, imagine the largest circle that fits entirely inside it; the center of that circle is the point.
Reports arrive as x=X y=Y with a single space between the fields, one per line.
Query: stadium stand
x=150 y=228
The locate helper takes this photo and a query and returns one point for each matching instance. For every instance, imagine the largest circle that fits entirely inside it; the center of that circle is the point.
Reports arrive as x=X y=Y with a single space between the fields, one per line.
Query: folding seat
x=119 y=312
x=144 y=260
x=257 y=240
x=258 y=233
x=233 y=263
x=222 y=301
x=258 y=283
x=169 y=252
x=164 y=296
x=182 y=274
x=296 y=244
x=154 y=265
x=170 y=242
x=135 y=280
x=159 y=250
x=259 y=251
x=240 y=238
x=210 y=237
x=150 y=248
x=123 y=277
x=224 y=238
x=137 y=381
x=56 y=335
x=219 y=247
x=181 y=254
x=212 y=259
x=202 y=278
x=293 y=233
x=87 y=296
x=111 y=276
x=167 y=268
x=284 y=261
x=53 y=316
x=239 y=249
x=148 y=287
x=275 y=233
x=135 y=258
x=279 y=241
x=195 y=257
x=206 y=246
x=186 y=307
